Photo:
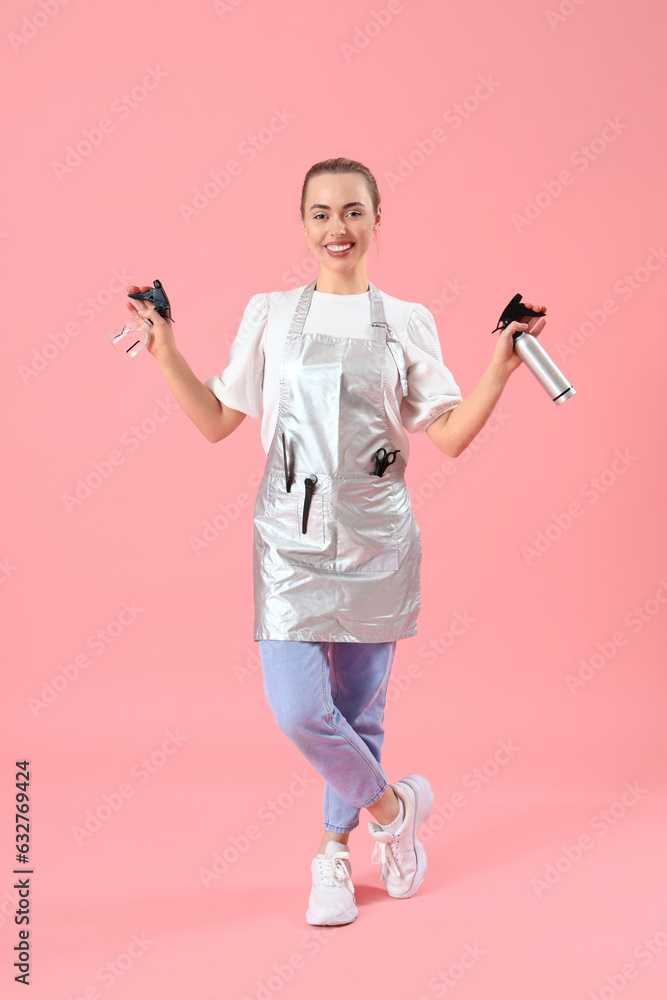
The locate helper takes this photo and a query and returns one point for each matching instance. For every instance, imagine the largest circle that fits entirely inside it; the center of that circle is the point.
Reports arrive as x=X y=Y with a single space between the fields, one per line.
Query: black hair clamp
x=309 y=487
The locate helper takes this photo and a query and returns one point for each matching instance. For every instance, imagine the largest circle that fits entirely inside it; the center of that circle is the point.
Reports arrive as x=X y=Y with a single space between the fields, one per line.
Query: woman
x=338 y=372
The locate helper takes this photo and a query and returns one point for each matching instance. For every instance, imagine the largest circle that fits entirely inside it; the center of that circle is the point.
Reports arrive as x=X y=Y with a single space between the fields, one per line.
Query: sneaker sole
x=424 y=800
x=343 y=918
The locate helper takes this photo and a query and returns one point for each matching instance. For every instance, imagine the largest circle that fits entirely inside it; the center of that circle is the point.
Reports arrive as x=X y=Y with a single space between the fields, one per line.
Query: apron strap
x=378 y=318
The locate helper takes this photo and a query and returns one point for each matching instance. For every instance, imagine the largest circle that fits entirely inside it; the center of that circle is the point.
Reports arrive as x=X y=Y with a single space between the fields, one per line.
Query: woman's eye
x=321 y=214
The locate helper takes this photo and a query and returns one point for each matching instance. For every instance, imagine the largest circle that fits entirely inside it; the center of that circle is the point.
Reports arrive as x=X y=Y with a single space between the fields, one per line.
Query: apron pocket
x=352 y=523
x=283 y=520
x=363 y=521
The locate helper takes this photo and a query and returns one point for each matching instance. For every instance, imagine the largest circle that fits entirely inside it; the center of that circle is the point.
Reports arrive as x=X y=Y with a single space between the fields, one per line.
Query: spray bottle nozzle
x=158 y=297
x=514 y=308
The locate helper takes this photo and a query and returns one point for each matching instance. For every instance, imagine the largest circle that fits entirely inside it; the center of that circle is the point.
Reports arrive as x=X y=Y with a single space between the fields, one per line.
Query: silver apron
x=353 y=574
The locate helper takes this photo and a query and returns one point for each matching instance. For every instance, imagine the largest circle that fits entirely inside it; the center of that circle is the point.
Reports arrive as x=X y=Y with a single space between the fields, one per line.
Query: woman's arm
x=214 y=420
x=453 y=431
x=195 y=399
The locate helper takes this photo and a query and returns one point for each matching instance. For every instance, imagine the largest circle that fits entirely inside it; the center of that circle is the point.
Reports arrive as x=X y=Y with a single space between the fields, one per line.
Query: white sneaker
x=332 y=896
x=402 y=857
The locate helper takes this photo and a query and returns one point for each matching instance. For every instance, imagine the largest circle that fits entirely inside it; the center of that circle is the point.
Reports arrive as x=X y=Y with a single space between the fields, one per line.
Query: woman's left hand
x=504 y=356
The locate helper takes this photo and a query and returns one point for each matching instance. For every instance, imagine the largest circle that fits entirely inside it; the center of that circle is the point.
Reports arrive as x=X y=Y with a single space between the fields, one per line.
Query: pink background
x=180 y=91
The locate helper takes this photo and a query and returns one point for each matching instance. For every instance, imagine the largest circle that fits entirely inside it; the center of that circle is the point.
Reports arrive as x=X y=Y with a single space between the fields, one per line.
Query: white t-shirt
x=251 y=379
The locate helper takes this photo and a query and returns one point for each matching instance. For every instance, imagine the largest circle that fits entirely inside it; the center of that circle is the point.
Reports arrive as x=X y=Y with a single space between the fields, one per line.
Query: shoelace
x=331 y=871
x=389 y=857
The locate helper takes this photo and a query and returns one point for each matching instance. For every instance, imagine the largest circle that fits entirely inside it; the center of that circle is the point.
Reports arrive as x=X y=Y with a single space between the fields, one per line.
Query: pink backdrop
x=517 y=148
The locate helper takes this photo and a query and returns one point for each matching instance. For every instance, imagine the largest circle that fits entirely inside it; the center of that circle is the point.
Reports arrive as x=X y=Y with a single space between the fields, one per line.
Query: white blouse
x=251 y=379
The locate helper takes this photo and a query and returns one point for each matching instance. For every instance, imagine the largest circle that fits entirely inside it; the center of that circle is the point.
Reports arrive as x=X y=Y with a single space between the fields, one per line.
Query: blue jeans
x=328 y=698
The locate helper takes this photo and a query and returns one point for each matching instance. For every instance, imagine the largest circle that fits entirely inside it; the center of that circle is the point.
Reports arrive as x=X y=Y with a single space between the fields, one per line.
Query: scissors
x=383 y=459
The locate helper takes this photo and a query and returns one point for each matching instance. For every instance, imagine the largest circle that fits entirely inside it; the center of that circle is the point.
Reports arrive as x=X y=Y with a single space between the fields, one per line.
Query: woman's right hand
x=160 y=335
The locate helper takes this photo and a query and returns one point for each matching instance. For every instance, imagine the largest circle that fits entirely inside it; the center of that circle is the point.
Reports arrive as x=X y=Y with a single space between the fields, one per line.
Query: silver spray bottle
x=533 y=354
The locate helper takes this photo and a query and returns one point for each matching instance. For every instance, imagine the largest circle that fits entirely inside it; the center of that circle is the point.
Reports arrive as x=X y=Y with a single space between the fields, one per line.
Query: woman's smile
x=339 y=249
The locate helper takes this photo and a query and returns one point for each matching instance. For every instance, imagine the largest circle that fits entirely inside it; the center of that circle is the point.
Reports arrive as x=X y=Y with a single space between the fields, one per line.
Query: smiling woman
x=342 y=231
x=339 y=373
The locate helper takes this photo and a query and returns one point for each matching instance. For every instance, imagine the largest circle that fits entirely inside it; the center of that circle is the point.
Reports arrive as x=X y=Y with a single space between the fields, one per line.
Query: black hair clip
x=158 y=297
x=514 y=308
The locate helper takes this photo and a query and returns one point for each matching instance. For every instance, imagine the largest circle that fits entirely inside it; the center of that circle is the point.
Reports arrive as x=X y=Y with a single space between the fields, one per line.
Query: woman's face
x=339 y=211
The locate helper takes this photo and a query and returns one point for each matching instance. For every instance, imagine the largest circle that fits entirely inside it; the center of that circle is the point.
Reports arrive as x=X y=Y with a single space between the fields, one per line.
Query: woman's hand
x=504 y=356
x=160 y=336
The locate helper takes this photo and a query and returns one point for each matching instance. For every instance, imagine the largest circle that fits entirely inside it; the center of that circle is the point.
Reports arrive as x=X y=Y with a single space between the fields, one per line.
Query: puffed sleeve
x=241 y=384
x=431 y=386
